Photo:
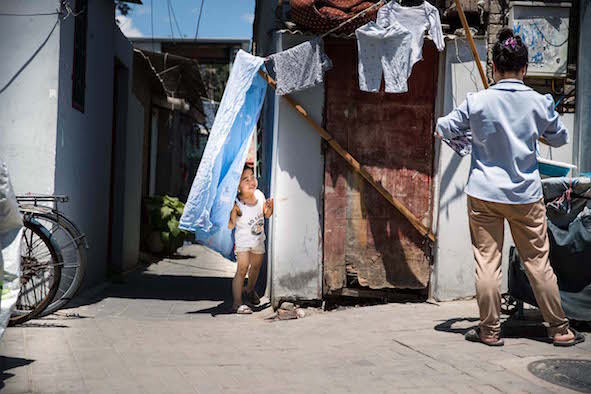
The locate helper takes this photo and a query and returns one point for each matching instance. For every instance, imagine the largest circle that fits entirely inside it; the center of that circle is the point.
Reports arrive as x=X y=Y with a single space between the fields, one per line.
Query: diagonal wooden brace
x=421 y=228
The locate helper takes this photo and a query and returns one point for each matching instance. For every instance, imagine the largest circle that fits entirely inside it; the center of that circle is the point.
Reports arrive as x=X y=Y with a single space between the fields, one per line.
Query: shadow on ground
x=528 y=327
x=145 y=285
x=225 y=308
x=8 y=363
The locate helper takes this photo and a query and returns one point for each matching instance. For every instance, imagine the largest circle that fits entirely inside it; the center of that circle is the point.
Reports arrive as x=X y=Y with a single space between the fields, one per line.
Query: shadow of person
x=225 y=308
x=8 y=363
x=448 y=325
x=529 y=328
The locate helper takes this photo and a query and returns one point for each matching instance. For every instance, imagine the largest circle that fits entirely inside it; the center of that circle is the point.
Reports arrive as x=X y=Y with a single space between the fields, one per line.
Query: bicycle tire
x=20 y=316
x=71 y=242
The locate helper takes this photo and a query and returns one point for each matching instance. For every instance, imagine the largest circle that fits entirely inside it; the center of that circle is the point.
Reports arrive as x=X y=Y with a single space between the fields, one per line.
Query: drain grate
x=574 y=374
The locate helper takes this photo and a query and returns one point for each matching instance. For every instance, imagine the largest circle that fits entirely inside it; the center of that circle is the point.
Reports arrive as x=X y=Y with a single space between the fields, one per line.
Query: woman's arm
x=455 y=124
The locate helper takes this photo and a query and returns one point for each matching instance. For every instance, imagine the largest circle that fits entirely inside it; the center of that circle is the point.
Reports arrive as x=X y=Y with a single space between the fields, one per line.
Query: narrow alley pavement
x=164 y=330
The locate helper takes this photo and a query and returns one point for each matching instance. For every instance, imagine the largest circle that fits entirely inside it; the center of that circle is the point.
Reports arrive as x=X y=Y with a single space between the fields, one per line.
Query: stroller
x=568 y=202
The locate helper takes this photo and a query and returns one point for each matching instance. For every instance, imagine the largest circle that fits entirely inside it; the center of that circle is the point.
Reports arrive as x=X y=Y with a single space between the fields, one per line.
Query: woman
x=504 y=183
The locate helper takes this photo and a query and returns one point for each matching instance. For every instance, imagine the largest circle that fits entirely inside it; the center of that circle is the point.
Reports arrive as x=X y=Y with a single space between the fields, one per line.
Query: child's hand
x=269 y=207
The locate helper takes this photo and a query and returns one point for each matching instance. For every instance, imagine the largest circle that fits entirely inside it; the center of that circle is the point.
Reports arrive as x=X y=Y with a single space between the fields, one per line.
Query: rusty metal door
x=392 y=137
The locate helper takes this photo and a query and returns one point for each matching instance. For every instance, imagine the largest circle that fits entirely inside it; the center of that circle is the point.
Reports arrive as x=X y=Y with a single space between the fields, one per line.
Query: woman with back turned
x=504 y=183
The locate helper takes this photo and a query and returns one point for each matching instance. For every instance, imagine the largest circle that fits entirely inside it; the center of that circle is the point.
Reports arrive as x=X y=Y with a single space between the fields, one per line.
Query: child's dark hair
x=247 y=167
x=509 y=52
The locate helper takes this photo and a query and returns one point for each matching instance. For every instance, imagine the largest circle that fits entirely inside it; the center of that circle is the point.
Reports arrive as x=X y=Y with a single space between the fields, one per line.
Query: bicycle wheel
x=72 y=245
x=40 y=272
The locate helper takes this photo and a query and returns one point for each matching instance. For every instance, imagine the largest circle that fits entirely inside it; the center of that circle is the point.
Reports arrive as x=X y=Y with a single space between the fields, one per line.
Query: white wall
x=30 y=48
x=453 y=272
x=83 y=157
x=297 y=183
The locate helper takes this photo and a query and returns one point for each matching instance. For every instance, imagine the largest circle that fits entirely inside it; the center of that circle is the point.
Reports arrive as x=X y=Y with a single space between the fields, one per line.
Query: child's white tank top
x=250 y=227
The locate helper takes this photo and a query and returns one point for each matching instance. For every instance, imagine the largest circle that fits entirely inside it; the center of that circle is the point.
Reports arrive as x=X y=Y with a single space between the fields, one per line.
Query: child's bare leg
x=256 y=261
x=242 y=259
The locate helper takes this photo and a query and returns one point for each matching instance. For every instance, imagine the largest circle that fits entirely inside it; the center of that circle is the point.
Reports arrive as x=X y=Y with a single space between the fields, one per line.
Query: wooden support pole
x=471 y=43
x=421 y=228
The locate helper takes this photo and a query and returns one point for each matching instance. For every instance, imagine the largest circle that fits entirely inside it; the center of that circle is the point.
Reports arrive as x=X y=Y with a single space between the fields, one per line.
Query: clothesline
x=365 y=11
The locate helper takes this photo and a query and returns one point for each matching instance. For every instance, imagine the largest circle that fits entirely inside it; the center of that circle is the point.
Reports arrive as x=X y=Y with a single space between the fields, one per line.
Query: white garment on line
x=417 y=20
x=250 y=227
x=383 y=48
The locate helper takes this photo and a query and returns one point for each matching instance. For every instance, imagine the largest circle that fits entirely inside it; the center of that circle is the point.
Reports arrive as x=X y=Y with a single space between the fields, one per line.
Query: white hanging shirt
x=417 y=20
x=250 y=227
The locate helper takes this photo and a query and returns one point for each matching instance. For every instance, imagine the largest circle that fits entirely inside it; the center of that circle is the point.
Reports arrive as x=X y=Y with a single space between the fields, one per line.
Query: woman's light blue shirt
x=505 y=120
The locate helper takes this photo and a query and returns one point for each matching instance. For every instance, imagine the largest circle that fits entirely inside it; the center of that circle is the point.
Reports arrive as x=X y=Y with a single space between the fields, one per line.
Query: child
x=248 y=218
x=504 y=184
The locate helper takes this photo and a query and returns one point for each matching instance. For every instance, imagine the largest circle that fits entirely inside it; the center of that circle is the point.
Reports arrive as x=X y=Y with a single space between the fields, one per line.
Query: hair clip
x=510 y=42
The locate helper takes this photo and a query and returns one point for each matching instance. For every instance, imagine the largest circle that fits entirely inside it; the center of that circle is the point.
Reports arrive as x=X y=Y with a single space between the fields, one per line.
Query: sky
x=220 y=18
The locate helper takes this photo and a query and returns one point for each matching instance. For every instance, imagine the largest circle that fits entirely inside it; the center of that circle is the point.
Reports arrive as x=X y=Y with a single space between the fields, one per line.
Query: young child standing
x=248 y=218
x=506 y=122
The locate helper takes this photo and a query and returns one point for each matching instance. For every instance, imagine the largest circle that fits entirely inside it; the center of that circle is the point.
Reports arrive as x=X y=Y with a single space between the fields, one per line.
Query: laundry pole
x=421 y=228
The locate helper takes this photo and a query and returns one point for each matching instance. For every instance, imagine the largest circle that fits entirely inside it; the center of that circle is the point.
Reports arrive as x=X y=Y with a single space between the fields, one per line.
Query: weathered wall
x=29 y=88
x=391 y=135
x=83 y=157
x=297 y=172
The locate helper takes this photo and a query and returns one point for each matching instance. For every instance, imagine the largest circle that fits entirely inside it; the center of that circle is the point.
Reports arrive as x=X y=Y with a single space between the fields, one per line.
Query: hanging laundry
x=417 y=20
x=214 y=189
x=300 y=67
x=386 y=49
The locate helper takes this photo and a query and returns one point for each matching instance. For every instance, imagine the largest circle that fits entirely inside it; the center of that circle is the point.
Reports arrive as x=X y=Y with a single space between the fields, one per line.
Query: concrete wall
x=127 y=159
x=83 y=157
x=296 y=185
x=453 y=273
x=133 y=184
x=29 y=93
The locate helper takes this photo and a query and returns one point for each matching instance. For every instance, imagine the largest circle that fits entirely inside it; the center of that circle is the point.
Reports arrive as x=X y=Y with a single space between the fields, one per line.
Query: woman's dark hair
x=509 y=52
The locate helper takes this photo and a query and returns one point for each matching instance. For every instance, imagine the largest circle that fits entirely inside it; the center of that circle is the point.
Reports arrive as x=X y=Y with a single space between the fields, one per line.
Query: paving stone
x=159 y=345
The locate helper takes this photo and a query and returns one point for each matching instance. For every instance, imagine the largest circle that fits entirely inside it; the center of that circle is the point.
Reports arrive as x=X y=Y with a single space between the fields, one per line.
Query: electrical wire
x=175 y=20
x=544 y=37
x=170 y=20
x=152 y=23
x=199 y=20
x=39 y=14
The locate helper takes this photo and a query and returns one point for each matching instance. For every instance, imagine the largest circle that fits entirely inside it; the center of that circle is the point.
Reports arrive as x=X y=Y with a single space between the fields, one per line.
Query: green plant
x=164 y=213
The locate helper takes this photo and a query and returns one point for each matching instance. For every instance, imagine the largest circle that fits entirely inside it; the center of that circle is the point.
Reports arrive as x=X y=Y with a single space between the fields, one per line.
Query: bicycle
x=70 y=241
x=40 y=272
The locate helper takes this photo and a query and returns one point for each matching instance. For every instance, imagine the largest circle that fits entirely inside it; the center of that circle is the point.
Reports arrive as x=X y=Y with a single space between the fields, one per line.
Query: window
x=79 y=63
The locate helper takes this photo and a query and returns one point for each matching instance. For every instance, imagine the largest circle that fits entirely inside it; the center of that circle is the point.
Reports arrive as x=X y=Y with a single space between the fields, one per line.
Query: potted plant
x=164 y=213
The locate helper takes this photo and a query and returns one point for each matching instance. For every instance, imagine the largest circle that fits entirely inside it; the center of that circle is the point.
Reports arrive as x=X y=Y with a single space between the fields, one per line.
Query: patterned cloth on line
x=462 y=145
x=300 y=67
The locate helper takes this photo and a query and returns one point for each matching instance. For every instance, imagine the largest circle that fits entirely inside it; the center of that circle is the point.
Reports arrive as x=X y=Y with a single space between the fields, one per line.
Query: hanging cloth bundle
x=207 y=211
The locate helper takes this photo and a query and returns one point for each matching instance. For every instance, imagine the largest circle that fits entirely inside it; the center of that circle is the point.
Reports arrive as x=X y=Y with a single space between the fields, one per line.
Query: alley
x=165 y=331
